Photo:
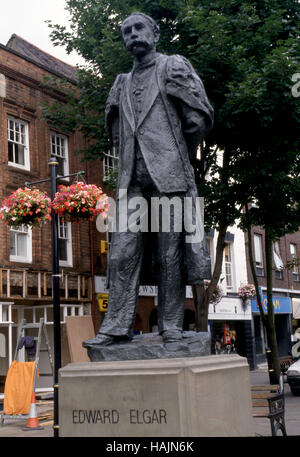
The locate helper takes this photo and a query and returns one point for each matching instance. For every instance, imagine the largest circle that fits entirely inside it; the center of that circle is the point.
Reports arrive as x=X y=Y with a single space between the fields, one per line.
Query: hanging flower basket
x=80 y=201
x=246 y=291
x=30 y=207
x=217 y=294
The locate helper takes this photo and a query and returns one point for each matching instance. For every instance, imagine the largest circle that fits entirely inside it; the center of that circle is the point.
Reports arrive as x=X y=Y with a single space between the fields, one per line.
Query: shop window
x=110 y=163
x=65 y=243
x=59 y=150
x=278 y=274
x=258 y=254
x=18 y=143
x=228 y=266
x=209 y=245
x=295 y=269
x=225 y=338
x=20 y=244
x=277 y=260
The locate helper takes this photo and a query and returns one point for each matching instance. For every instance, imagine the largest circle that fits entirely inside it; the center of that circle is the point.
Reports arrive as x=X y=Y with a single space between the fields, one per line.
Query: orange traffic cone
x=33 y=422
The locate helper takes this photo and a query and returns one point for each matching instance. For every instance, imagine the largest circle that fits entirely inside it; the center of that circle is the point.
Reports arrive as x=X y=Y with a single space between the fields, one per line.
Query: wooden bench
x=268 y=401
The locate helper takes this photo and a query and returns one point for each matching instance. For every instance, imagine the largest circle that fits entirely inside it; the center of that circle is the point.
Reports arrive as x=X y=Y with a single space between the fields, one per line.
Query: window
x=258 y=255
x=65 y=243
x=110 y=162
x=209 y=245
x=295 y=269
x=108 y=236
x=18 y=144
x=228 y=265
x=59 y=150
x=20 y=244
x=277 y=260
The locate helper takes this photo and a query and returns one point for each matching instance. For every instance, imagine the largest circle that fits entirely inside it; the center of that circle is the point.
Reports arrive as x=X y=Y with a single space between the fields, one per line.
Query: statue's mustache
x=138 y=43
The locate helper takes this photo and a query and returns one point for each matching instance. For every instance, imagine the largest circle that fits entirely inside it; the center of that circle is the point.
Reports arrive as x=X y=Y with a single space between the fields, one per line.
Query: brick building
x=26 y=144
x=286 y=290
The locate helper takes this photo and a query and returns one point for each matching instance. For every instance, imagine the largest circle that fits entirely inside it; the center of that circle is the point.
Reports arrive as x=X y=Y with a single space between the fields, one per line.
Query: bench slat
x=258 y=404
x=260 y=413
x=273 y=387
x=269 y=395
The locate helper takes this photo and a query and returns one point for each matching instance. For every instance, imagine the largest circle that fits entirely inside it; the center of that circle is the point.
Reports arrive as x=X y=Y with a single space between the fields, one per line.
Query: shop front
x=231 y=328
x=283 y=325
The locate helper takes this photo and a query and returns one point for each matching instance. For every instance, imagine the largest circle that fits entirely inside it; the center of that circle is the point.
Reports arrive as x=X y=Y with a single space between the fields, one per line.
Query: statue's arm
x=194 y=127
x=112 y=111
x=186 y=89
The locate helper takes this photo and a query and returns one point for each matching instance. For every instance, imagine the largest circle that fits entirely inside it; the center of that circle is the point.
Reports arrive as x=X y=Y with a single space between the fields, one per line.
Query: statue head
x=140 y=34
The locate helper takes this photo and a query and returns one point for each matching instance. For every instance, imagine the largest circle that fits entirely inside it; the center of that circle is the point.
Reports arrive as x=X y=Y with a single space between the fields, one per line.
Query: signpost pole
x=56 y=298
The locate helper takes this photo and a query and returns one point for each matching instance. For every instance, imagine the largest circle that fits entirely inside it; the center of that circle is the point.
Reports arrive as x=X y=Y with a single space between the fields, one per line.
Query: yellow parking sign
x=102 y=302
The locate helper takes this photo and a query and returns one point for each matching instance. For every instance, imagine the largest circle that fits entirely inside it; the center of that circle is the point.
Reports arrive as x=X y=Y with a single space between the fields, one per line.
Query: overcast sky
x=27 y=19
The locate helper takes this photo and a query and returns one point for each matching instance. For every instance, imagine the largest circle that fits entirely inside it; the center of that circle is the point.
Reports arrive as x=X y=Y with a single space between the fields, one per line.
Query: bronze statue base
x=151 y=346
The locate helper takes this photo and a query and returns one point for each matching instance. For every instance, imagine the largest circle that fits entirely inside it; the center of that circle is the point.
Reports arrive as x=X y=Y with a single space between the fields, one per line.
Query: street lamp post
x=55 y=284
x=55 y=294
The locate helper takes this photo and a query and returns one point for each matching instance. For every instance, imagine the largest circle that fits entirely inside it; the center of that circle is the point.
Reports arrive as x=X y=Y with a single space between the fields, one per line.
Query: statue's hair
x=152 y=22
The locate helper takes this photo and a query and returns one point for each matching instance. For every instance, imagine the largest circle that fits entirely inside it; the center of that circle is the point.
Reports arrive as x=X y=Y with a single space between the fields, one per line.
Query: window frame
x=26 y=165
x=209 y=244
x=295 y=270
x=113 y=156
x=19 y=258
x=277 y=253
x=259 y=263
x=68 y=239
x=66 y=168
x=230 y=265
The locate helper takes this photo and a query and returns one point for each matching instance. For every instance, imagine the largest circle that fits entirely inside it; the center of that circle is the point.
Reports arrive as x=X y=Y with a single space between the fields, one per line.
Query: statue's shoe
x=105 y=340
x=99 y=340
x=172 y=336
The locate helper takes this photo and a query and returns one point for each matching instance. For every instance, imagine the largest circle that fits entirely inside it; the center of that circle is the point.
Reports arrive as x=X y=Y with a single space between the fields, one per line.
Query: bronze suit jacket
x=175 y=118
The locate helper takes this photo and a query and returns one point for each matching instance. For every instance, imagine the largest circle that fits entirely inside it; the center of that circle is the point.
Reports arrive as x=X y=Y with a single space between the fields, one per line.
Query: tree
x=277 y=196
x=250 y=52
x=246 y=54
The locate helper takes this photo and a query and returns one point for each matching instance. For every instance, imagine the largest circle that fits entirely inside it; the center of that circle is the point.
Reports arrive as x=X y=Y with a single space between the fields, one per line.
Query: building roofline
x=44 y=67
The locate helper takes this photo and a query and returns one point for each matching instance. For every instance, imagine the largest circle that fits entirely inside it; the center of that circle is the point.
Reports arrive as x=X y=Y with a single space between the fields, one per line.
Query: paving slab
x=14 y=428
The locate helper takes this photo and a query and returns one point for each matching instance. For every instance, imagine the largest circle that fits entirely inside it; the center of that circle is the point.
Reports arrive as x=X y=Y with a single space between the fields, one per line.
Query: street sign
x=280 y=305
x=103 y=247
x=102 y=302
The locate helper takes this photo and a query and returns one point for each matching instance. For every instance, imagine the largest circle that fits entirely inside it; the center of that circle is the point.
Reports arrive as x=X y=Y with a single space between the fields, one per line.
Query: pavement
x=14 y=427
x=262 y=426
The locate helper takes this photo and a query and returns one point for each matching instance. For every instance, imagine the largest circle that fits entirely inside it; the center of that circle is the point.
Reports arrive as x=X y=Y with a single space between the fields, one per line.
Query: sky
x=26 y=18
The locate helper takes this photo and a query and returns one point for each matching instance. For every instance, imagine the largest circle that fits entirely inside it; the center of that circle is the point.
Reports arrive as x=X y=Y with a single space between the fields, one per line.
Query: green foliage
x=111 y=179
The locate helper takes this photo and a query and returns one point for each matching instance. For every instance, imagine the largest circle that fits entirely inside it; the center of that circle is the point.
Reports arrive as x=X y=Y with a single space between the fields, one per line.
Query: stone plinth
x=183 y=397
x=151 y=346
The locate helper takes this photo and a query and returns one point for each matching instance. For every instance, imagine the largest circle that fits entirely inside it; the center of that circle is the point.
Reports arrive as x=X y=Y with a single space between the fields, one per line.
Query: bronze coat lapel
x=127 y=105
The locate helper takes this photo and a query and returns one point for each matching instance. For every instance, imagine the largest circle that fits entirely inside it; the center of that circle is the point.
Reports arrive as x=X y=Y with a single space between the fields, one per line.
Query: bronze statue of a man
x=157 y=115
